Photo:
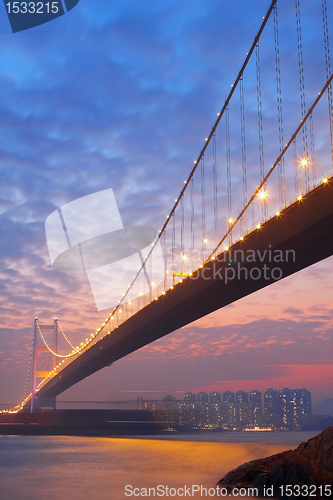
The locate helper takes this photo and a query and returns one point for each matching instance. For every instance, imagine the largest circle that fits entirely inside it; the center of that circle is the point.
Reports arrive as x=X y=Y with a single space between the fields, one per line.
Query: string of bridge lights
x=78 y=350
x=261 y=195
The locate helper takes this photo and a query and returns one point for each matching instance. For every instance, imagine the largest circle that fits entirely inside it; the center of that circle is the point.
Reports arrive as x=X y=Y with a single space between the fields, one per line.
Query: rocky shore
x=309 y=465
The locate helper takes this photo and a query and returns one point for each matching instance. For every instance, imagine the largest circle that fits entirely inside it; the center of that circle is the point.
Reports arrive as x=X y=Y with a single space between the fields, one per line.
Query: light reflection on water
x=80 y=468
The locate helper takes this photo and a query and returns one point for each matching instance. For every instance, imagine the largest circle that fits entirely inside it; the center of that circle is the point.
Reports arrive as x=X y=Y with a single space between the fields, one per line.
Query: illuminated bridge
x=256 y=207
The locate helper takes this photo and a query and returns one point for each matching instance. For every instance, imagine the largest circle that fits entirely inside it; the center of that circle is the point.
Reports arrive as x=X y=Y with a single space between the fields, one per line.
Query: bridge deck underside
x=305 y=227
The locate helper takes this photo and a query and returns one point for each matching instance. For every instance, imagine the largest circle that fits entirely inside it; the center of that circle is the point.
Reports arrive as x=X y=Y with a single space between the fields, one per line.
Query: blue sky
x=122 y=95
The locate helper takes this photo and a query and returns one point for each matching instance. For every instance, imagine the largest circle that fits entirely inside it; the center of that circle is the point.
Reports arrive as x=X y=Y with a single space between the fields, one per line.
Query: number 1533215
x=32 y=7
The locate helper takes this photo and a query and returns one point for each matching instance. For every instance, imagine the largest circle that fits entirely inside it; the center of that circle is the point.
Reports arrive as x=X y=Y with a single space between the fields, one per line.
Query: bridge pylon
x=37 y=404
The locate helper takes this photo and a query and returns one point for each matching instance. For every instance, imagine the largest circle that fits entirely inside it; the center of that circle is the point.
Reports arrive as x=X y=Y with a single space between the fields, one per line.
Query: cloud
x=122 y=95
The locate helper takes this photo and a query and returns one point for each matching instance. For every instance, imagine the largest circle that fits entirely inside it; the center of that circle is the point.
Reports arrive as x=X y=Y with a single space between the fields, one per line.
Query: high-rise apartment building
x=271 y=408
x=202 y=397
x=215 y=398
x=190 y=398
x=255 y=408
x=228 y=397
x=242 y=397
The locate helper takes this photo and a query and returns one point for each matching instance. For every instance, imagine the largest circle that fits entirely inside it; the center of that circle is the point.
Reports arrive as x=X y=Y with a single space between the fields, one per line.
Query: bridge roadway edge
x=306 y=227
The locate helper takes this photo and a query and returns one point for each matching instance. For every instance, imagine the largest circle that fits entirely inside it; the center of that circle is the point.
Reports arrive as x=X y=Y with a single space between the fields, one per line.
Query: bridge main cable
x=207 y=142
x=224 y=108
x=291 y=141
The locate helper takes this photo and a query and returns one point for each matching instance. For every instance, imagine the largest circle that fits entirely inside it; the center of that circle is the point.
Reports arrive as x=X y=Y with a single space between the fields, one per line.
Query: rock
x=311 y=464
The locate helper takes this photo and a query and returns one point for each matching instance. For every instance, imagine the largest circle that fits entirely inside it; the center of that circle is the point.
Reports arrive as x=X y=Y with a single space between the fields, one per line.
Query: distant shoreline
x=103 y=423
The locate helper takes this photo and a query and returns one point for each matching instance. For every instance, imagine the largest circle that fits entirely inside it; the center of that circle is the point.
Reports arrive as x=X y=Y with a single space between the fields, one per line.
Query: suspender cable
x=49 y=348
x=328 y=70
x=64 y=336
x=165 y=253
x=233 y=88
x=260 y=130
x=281 y=169
x=29 y=368
x=297 y=171
x=312 y=150
x=227 y=143
x=192 y=219
x=223 y=110
x=203 y=209
x=243 y=139
x=216 y=220
x=271 y=170
x=182 y=227
x=174 y=250
x=302 y=90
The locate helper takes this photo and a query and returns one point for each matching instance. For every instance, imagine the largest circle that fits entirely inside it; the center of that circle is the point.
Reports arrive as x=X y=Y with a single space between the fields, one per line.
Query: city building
x=202 y=397
x=190 y=398
x=255 y=409
x=271 y=408
x=242 y=397
x=278 y=409
x=228 y=397
x=215 y=398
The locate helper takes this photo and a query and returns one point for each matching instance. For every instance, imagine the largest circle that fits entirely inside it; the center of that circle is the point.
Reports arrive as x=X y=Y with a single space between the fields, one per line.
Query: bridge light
x=277 y=213
x=262 y=195
x=205 y=240
x=258 y=226
x=184 y=257
x=241 y=238
x=299 y=197
x=325 y=180
x=230 y=220
x=304 y=162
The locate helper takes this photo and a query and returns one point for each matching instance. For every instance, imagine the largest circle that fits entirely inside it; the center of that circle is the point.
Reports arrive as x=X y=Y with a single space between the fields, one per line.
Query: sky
x=121 y=95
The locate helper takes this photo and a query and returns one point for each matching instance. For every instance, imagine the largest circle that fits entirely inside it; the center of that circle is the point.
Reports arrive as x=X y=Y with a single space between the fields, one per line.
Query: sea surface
x=80 y=468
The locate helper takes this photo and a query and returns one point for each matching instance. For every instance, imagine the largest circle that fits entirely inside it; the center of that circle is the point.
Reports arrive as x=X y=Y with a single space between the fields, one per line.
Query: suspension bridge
x=256 y=207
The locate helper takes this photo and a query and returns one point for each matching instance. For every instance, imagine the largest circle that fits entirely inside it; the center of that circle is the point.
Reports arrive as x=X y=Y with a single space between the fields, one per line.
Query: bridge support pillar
x=46 y=403
x=43 y=404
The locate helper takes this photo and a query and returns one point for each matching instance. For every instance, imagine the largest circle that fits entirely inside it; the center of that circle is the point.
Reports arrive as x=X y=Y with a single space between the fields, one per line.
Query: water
x=80 y=468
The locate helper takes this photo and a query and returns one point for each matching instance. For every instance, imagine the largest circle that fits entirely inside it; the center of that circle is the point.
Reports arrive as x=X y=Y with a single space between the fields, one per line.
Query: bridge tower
x=50 y=403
